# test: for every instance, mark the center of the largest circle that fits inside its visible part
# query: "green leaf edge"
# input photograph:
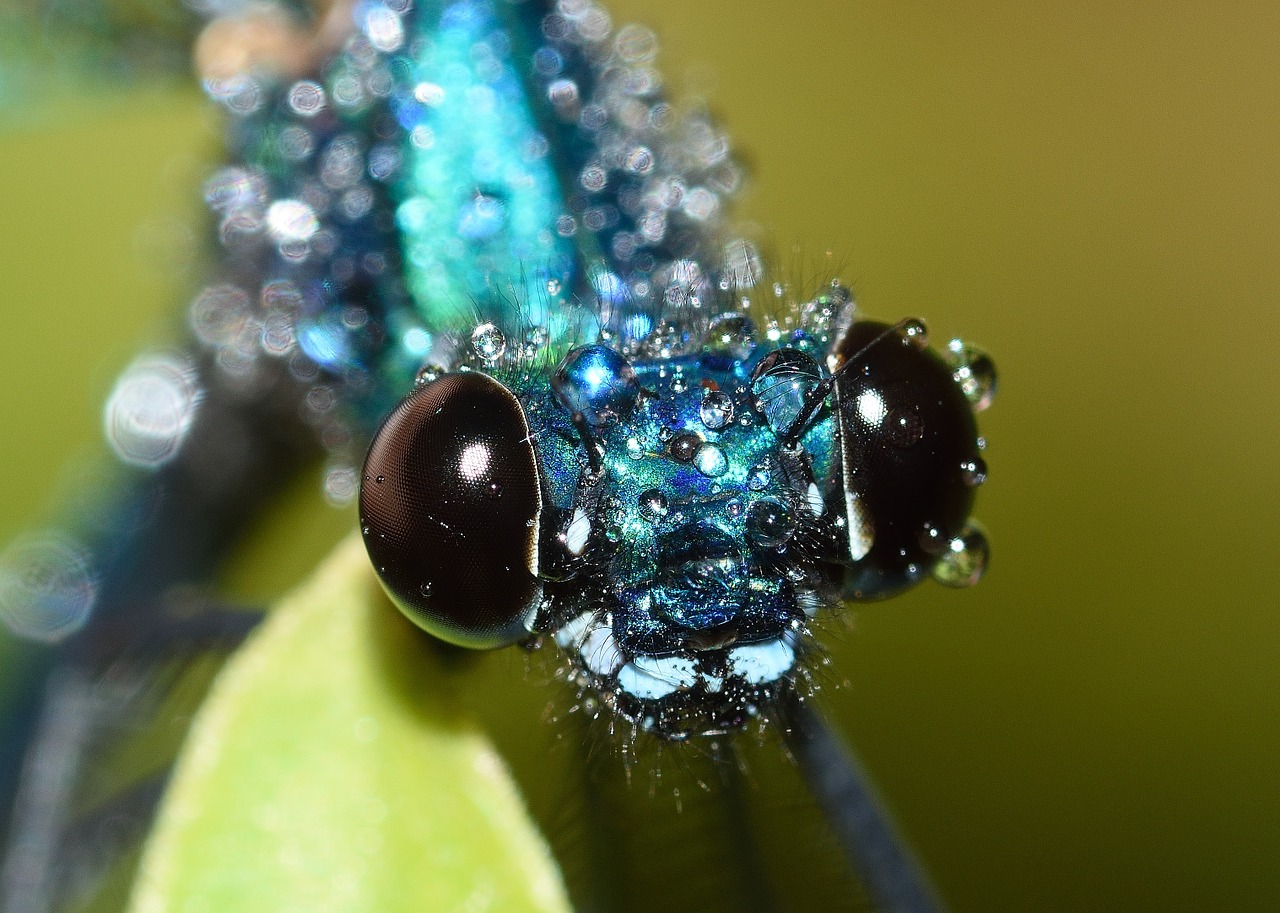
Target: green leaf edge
(330, 770)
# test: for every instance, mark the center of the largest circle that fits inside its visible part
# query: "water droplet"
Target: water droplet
(553, 286)
(679, 383)
(47, 587)
(914, 331)
(593, 177)
(804, 341)
(535, 341)
(974, 472)
(684, 446)
(634, 448)
(639, 160)
(380, 479)
(291, 221)
(488, 342)
(653, 505)
(975, 372)
(965, 559)
(429, 374)
(151, 409)
(598, 383)
(781, 384)
(306, 98)
(425, 589)
(905, 427)
(340, 484)
(716, 410)
(769, 523)
(758, 478)
(711, 461)
(734, 508)
(730, 335)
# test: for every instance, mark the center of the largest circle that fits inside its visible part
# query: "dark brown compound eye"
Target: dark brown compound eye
(450, 504)
(908, 457)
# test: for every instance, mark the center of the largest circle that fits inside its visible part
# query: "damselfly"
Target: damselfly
(623, 434)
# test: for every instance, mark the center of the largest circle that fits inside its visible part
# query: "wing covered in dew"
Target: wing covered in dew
(409, 175)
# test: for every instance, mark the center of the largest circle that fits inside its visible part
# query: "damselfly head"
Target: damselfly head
(675, 523)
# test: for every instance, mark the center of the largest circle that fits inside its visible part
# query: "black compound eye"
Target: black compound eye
(908, 445)
(450, 504)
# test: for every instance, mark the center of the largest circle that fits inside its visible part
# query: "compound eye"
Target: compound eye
(908, 448)
(450, 504)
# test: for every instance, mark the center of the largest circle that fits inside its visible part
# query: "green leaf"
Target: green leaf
(328, 770)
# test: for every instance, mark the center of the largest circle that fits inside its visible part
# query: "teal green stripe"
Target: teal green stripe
(480, 198)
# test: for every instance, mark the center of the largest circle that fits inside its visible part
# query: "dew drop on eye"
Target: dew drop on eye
(965, 560)
(974, 472)
(914, 332)
(975, 372)
(904, 427)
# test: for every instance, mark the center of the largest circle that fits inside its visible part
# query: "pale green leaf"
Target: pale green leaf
(327, 772)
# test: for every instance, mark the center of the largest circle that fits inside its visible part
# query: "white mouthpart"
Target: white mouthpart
(763, 662)
(570, 633)
(653, 677)
(600, 652)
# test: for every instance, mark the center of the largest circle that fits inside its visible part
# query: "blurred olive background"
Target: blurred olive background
(1091, 192)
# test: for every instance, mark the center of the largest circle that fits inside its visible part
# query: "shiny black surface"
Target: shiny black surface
(906, 433)
(450, 505)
